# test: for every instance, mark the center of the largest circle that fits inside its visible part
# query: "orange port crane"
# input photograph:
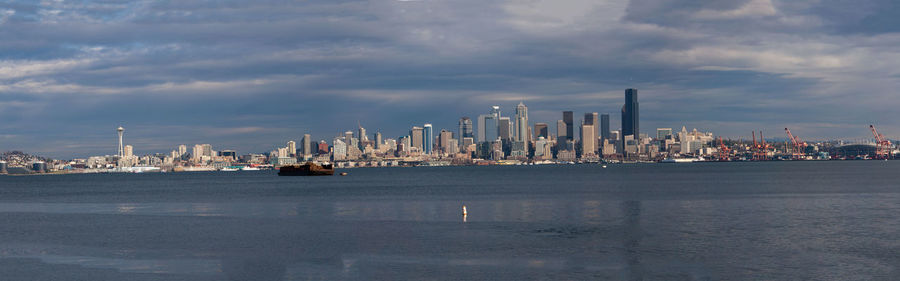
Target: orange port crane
(799, 146)
(761, 148)
(724, 151)
(882, 145)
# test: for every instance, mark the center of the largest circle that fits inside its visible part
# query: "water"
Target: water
(699, 221)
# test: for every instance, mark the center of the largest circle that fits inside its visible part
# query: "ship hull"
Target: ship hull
(308, 169)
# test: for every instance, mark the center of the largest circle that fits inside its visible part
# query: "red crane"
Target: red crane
(761, 148)
(724, 151)
(882, 145)
(799, 147)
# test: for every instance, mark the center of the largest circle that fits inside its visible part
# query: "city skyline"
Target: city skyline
(250, 74)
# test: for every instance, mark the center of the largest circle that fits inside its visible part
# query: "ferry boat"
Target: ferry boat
(248, 168)
(308, 169)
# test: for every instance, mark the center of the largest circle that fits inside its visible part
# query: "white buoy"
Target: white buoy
(604, 166)
(464, 211)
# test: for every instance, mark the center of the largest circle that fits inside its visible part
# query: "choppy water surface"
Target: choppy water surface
(700, 221)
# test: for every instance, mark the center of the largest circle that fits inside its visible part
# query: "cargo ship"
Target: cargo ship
(308, 169)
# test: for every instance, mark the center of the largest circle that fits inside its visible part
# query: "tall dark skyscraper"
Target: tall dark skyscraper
(540, 130)
(465, 128)
(630, 117)
(567, 118)
(604, 126)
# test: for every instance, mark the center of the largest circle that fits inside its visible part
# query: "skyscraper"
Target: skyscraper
(630, 116)
(182, 149)
(593, 119)
(567, 118)
(465, 128)
(521, 129)
(378, 141)
(540, 130)
(307, 145)
(504, 129)
(292, 148)
(588, 141)
(604, 126)
(561, 134)
(444, 138)
(363, 138)
(415, 138)
(428, 138)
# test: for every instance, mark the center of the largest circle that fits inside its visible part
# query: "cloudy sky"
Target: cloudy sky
(250, 75)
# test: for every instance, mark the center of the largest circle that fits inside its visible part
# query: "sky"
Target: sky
(251, 75)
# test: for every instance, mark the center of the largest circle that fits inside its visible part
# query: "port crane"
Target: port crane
(799, 146)
(761, 148)
(882, 144)
(724, 151)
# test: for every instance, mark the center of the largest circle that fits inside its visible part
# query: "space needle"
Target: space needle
(121, 147)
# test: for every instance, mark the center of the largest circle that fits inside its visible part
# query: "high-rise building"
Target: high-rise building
(593, 119)
(322, 148)
(540, 130)
(339, 151)
(416, 138)
(428, 138)
(379, 143)
(363, 137)
(661, 133)
(568, 119)
(129, 151)
(182, 149)
(588, 141)
(465, 128)
(630, 116)
(307, 145)
(444, 138)
(504, 128)
(604, 126)
(291, 148)
(521, 128)
(561, 136)
(488, 125)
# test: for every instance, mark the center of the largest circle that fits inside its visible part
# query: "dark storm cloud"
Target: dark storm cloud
(250, 75)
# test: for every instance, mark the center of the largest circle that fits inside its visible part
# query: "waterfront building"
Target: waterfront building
(630, 116)
(428, 139)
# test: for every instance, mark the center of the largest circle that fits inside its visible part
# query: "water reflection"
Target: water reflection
(631, 239)
(575, 211)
